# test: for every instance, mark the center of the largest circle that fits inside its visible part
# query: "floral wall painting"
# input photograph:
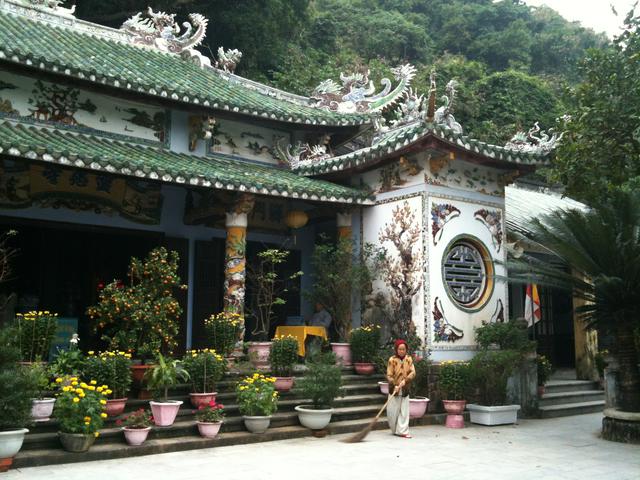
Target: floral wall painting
(143, 118)
(443, 331)
(259, 144)
(5, 105)
(492, 219)
(441, 214)
(57, 104)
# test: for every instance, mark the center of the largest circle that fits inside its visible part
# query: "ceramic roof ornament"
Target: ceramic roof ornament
(52, 6)
(229, 59)
(534, 141)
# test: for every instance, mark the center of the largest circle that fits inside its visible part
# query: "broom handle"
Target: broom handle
(385, 404)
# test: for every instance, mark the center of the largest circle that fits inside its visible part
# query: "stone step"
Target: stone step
(105, 451)
(185, 425)
(557, 386)
(560, 398)
(568, 409)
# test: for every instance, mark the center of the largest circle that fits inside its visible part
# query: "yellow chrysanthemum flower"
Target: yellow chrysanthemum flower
(96, 434)
(93, 382)
(76, 399)
(58, 380)
(103, 402)
(103, 415)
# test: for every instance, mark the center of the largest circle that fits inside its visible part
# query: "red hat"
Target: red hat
(399, 342)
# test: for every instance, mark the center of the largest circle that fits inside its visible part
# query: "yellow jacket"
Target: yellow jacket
(398, 370)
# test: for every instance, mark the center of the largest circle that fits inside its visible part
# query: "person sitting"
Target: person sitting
(321, 318)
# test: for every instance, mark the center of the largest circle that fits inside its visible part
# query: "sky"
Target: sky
(594, 14)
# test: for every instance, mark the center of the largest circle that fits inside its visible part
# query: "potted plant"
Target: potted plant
(42, 406)
(283, 356)
(337, 275)
(267, 289)
(322, 383)
(80, 412)
(381, 360)
(141, 316)
(257, 401)
(165, 373)
(17, 388)
(136, 426)
(419, 389)
(209, 419)
(453, 382)
(544, 372)
(36, 330)
(205, 368)
(365, 342)
(223, 330)
(68, 362)
(601, 364)
(113, 369)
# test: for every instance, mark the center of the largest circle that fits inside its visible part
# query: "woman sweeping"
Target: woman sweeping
(400, 373)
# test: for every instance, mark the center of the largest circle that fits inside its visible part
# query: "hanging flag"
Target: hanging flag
(532, 312)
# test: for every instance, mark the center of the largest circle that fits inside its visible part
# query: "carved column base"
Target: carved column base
(620, 426)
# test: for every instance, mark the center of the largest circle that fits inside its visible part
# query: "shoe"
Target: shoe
(406, 435)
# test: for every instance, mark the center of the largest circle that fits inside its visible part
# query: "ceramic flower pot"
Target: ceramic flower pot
(257, 424)
(496, 415)
(10, 444)
(115, 406)
(76, 442)
(454, 410)
(164, 413)
(343, 352)
(418, 407)
(364, 368)
(315, 419)
(41, 410)
(209, 429)
(138, 372)
(283, 384)
(259, 354)
(136, 436)
(541, 390)
(198, 399)
(384, 387)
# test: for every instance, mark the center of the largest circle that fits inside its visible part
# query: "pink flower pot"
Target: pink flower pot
(115, 407)
(259, 354)
(384, 388)
(541, 390)
(364, 368)
(198, 399)
(283, 384)
(209, 430)
(41, 410)
(164, 413)
(418, 407)
(343, 352)
(136, 436)
(454, 410)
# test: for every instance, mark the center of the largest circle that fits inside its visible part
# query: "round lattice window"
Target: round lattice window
(468, 273)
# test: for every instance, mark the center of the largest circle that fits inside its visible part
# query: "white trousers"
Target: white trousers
(398, 415)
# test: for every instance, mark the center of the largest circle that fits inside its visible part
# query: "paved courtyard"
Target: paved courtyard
(554, 449)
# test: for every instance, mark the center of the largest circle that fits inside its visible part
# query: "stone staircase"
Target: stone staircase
(565, 396)
(361, 402)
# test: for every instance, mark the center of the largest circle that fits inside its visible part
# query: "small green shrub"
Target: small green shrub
(322, 382)
(489, 373)
(80, 407)
(365, 342)
(420, 385)
(68, 362)
(205, 368)
(110, 368)
(454, 379)
(257, 395)
(507, 336)
(223, 331)
(284, 355)
(165, 374)
(544, 369)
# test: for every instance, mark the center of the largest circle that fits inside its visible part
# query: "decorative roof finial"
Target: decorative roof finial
(534, 141)
(228, 59)
(431, 106)
(444, 114)
(303, 153)
(53, 6)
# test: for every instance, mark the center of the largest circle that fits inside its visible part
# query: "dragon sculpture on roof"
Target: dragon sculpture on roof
(53, 5)
(160, 30)
(534, 141)
(357, 92)
(303, 153)
(229, 59)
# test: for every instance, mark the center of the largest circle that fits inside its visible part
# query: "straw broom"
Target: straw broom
(359, 436)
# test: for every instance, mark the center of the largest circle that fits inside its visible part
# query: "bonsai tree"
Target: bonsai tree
(166, 373)
(141, 316)
(267, 288)
(338, 274)
(322, 382)
(283, 355)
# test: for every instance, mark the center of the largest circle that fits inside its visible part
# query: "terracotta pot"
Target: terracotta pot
(10, 444)
(454, 410)
(41, 410)
(343, 352)
(136, 436)
(115, 406)
(164, 413)
(257, 424)
(418, 407)
(283, 384)
(364, 368)
(198, 399)
(76, 442)
(259, 354)
(138, 372)
(541, 390)
(209, 429)
(384, 387)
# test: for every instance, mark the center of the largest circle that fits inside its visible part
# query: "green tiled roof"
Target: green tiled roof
(118, 157)
(399, 138)
(79, 54)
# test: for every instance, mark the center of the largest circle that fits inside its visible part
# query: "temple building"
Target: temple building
(113, 141)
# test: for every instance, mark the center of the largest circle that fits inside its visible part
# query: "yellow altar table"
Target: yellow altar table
(301, 333)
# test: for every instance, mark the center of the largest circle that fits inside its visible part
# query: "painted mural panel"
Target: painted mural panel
(246, 141)
(436, 168)
(31, 100)
(397, 227)
(466, 286)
